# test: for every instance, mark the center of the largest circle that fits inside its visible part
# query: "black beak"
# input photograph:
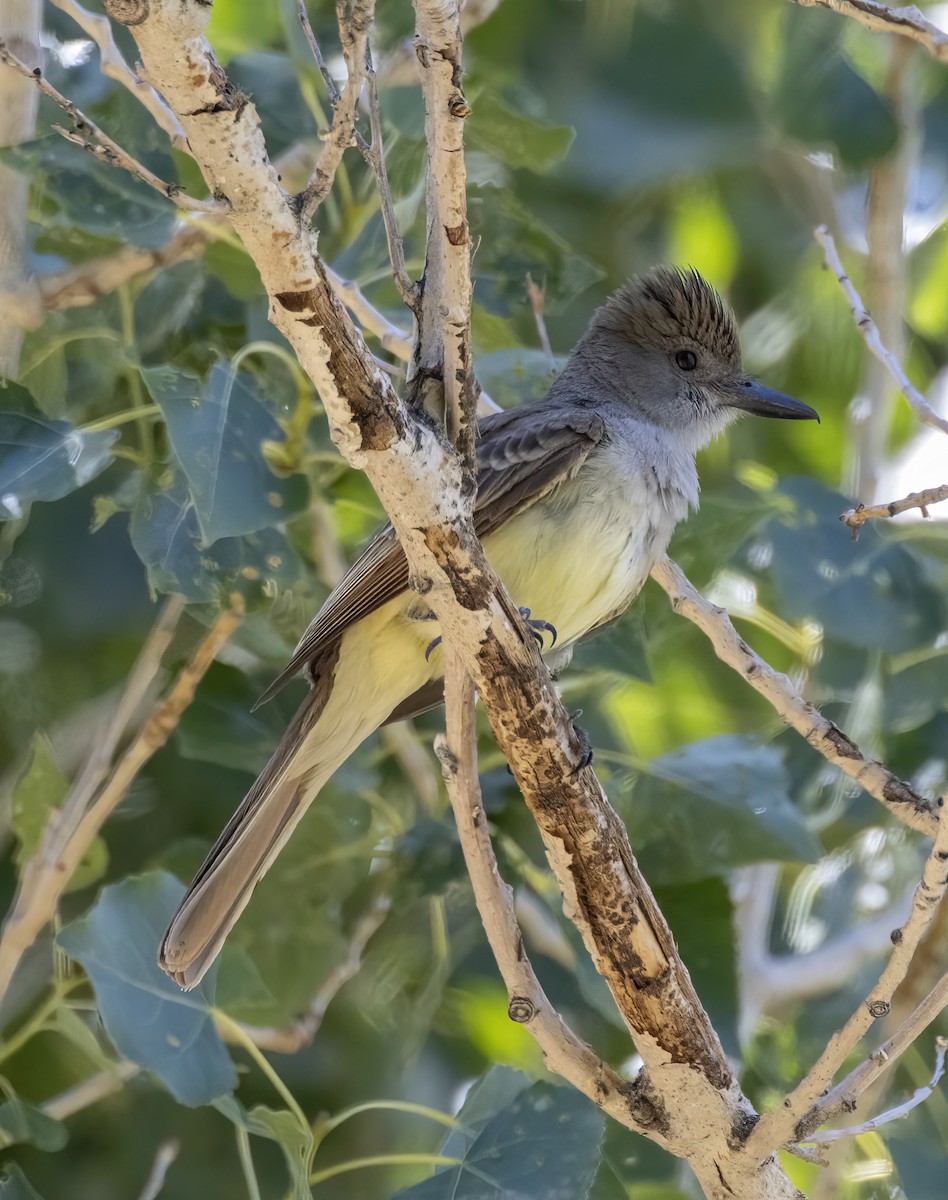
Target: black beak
(765, 402)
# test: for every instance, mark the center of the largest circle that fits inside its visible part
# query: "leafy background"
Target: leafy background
(163, 440)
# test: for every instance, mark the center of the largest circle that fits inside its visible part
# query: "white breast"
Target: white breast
(581, 555)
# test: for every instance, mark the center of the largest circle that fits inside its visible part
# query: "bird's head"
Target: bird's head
(668, 344)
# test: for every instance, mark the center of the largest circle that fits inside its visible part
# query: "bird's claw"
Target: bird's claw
(538, 628)
(431, 648)
(585, 744)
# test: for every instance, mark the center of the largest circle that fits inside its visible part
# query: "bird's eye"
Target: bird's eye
(686, 359)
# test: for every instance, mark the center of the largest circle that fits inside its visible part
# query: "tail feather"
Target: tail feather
(242, 854)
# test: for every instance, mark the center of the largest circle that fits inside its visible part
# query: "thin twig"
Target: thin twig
(777, 1128)
(866, 326)
(564, 1052)
(90, 1091)
(87, 134)
(537, 297)
(293, 1037)
(899, 797)
(854, 517)
(354, 34)
(167, 1153)
(407, 288)
(898, 1112)
(70, 830)
(113, 65)
(907, 21)
(844, 1096)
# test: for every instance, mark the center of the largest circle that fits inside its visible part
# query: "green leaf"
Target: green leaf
(913, 696)
(282, 1127)
(514, 139)
(217, 430)
(23, 1124)
(542, 1144)
(873, 593)
(15, 1185)
(146, 1015)
(40, 788)
(714, 805)
(220, 728)
(46, 460)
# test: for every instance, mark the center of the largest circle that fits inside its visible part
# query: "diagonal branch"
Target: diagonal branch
(87, 134)
(777, 1128)
(563, 1051)
(70, 830)
(114, 66)
(899, 797)
(866, 326)
(844, 1096)
(854, 517)
(907, 21)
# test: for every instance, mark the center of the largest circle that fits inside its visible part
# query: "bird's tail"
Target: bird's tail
(320, 738)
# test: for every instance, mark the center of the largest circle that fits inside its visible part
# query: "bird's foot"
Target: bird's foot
(585, 743)
(431, 647)
(538, 628)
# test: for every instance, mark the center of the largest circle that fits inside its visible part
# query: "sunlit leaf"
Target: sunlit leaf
(146, 1015)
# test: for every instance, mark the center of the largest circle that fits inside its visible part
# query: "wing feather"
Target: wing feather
(522, 454)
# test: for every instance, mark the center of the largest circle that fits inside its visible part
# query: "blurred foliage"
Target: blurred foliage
(163, 440)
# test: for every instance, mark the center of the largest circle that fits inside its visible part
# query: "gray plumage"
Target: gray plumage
(577, 498)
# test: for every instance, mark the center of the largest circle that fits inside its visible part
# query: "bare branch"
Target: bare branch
(777, 1128)
(90, 1091)
(87, 134)
(354, 34)
(440, 377)
(866, 326)
(898, 1112)
(113, 65)
(83, 284)
(375, 157)
(71, 829)
(301, 1032)
(844, 1096)
(537, 297)
(899, 797)
(564, 1052)
(854, 517)
(908, 21)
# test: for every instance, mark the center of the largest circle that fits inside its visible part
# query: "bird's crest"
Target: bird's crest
(667, 307)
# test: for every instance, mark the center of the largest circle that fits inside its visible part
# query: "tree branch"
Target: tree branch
(898, 1112)
(71, 829)
(854, 517)
(563, 1051)
(300, 1033)
(440, 377)
(844, 1096)
(777, 1128)
(114, 66)
(87, 134)
(824, 736)
(866, 326)
(354, 36)
(906, 21)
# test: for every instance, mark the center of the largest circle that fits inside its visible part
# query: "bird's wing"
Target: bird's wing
(521, 455)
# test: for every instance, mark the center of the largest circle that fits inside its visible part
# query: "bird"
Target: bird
(578, 495)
